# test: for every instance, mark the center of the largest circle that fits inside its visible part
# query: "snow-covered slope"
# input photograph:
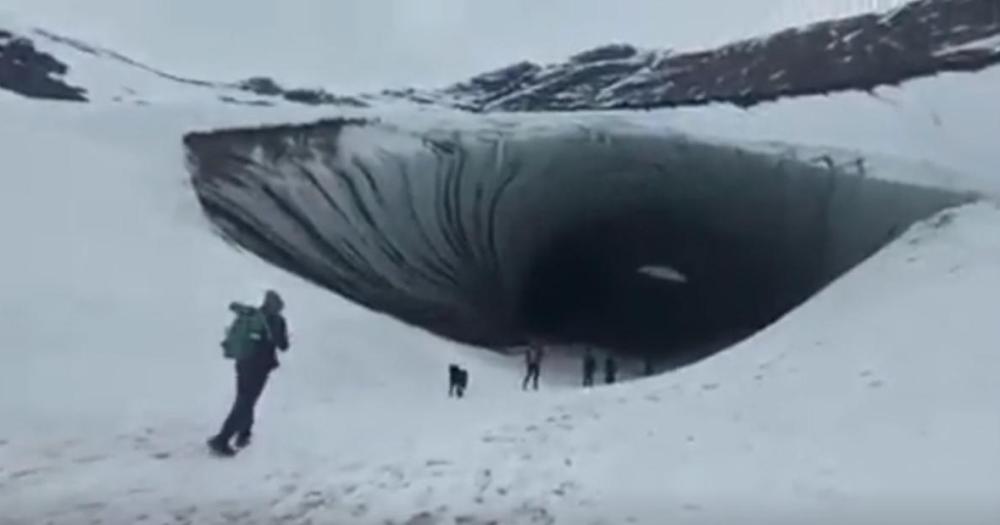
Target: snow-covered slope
(876, 393)
(860, 52)
(38, 63)
(365, 46)
(945, 119)
(872, 403)
(113, 301)
(854, 53)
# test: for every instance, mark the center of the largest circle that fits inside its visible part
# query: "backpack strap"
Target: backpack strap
(267, 327)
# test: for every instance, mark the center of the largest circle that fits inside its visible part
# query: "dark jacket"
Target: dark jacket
(534, 356)
(265, 356)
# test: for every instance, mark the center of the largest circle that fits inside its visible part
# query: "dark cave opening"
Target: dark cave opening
(585, 288)
(488, 239)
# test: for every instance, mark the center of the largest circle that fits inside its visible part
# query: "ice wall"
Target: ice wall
(492, 231)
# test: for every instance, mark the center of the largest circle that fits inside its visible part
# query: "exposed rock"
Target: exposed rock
(262, 86)
(858, 53)
(316, 97)
(33, 73)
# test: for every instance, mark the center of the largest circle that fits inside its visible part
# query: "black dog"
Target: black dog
(458, 380)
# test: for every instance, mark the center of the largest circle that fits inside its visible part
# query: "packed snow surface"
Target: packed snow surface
(875, 401)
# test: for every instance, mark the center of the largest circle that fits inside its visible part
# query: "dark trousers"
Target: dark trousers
(250, 381)
(534, 370)
(588, 379)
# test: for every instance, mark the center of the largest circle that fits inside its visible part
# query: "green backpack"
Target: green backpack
(245, 333)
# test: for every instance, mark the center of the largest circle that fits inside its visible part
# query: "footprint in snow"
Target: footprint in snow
(498, 439)
(472, 520)
(24, 473)
(878, 383)
(91, 506)
(564, 488)
(236, 516)
(85, 460)
(710, 386)
(184, 514)
(423, 518)
(352, 467)
(313, 499)
(359, 510)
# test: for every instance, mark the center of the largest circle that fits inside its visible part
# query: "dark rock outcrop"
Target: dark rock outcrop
(32, 73)
(858, 53)
(314, 97)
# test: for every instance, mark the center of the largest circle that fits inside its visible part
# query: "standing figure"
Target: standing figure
(533, 364)
(458, 380)
(589, 368)
(610, 370)
(251, 342)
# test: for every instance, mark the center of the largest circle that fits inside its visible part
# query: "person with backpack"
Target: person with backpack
(251, 341)
(533, 363)
(589, 368)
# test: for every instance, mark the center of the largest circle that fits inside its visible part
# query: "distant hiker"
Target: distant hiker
(458, 380)
(610, 370)
(533, 363)
(589, 368)
(463, 381)
(250, 341)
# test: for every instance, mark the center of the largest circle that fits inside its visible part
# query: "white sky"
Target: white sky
(352, 45)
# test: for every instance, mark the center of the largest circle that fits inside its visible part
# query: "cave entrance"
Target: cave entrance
(642, 286)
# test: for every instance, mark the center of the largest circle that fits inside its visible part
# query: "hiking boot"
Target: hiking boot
(242, 440)
(220, 448)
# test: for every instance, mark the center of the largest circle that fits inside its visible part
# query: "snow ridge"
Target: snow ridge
(863, 52)
(855, 53)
